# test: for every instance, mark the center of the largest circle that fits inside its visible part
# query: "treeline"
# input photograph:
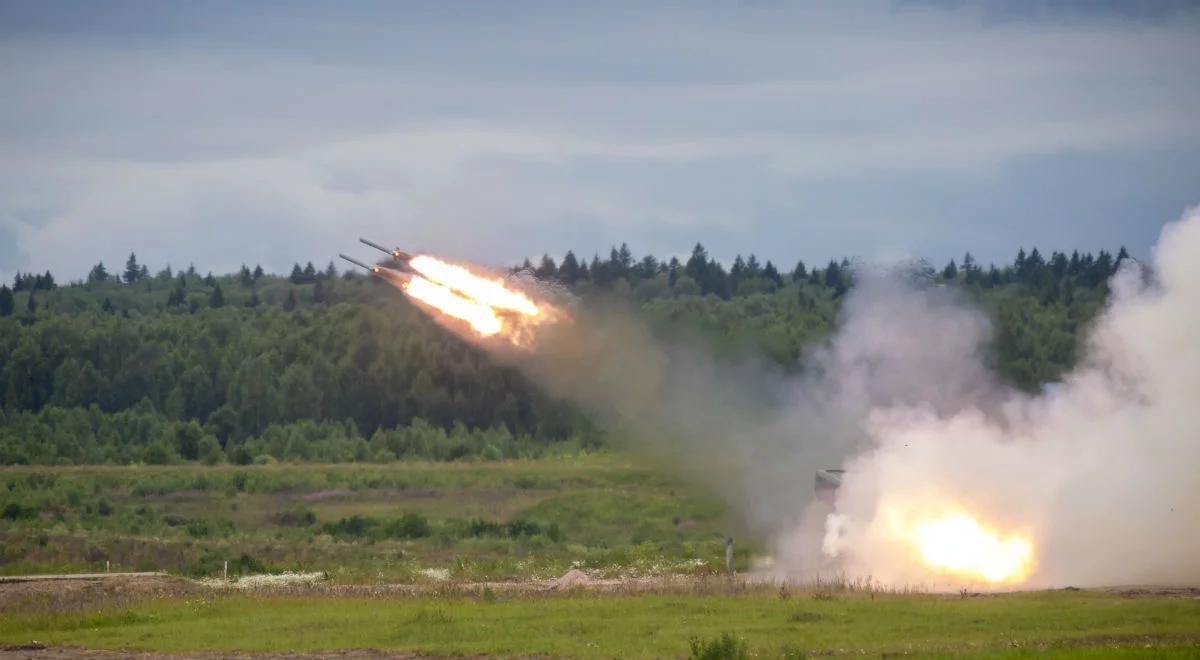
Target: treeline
(704, 275)
(321, 366)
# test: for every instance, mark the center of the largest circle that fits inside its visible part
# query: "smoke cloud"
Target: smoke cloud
(1101, 472)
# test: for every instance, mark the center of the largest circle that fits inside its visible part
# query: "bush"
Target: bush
(480, 527)
(209, 450)
(354, 527)
(211, 563)
(158, 454)
(14, 511)
(520, 527)
(296, 518)
(408, 526)
(174, 520)
(726, 647)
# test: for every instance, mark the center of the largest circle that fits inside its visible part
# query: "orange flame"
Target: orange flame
(956, 543)
(480, 317)
(487, 306)
(488, 292)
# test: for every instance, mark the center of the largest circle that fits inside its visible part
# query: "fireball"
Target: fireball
(958, 544)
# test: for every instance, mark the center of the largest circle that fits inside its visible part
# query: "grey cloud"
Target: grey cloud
(1000, 12)
(808, 131)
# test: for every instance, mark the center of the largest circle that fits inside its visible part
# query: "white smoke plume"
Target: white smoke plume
(1101, 474)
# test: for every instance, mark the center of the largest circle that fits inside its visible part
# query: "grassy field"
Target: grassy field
(363, 522)
(438, 527)
(585, 624)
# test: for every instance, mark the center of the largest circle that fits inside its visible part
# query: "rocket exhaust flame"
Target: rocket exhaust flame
(480, 317)
(487, 306)
(487, 292)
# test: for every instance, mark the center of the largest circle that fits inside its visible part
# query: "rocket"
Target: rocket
(373, 269)
(383, 272)
(401, 257)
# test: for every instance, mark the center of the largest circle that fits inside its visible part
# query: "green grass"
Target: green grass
(1075, 624)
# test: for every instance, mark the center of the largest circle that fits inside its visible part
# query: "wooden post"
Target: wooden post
(729, 556)
(107, 566)
(225, 571)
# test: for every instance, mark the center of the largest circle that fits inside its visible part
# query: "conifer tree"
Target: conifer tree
(132, 270)
(98, 273)
(6, 300)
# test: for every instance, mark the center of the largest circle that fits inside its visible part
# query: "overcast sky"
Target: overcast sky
(270, 133)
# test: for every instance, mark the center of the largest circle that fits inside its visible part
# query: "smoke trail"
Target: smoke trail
(1102, 473)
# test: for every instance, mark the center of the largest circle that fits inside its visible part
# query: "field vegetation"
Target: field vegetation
(710, 619)
(363, 523)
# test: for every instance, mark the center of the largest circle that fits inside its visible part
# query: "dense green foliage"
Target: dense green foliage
(316, 367)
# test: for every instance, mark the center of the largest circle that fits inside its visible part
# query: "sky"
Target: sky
(278, 132)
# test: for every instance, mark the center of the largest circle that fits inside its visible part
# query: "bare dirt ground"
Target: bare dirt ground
(35, 652)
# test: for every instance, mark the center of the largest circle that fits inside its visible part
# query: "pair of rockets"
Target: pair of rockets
(402, 259)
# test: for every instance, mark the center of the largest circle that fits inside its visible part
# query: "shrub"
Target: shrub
(14, 511)
(157, 454)
(174, 520)
(408, 526)
(296, 518)
(726, 647)
(354, 527)
(520, 527)
(480, 527)
(211, 562)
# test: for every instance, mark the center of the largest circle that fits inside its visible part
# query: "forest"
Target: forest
(320, 366)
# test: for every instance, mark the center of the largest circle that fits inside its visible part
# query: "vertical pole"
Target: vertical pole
(106, 566)
(729, 556)
(225, 571)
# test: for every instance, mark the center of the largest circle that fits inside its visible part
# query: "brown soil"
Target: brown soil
(39, 652)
